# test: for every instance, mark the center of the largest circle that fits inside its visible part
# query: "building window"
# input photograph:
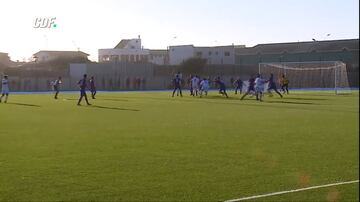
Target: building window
(132, 47)
(227, 53)
(105, 58)
(216, 53)
(210, 53)
(199, 54)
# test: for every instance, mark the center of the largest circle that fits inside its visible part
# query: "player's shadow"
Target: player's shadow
(114, 108)
(115, 100)
(23, 104)
(309, 99)
(287, 102)
(218, 97)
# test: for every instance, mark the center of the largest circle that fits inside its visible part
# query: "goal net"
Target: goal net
(324, 75)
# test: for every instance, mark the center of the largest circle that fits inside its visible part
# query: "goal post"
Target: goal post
(318, 75)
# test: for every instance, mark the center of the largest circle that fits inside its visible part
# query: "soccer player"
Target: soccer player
(177, 84)
(238, 84)
(83, 85)
(284, 82)
(179, 75)
(251, 87)
(272, 85)
(189, 83)
(204, 87)
(195, 85)
(222, 86)
(92, 87)
(56, 86)
(259, 87)
(4, 89)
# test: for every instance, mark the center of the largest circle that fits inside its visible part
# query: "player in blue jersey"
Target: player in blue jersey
(83, 85)
(238, 84)
(272, 85)
(177, 85)
(56, 87)
(92, 87)
(251, 87)
(222, 86)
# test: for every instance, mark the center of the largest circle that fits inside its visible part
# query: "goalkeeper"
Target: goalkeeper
(284, 82)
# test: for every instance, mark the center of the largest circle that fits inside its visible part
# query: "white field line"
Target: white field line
(292, 191)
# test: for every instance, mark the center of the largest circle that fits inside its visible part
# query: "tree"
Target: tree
(193, 66)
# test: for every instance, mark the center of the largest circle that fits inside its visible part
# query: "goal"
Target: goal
(319, 75)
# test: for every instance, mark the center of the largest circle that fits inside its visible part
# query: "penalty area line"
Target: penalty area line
(292, 191)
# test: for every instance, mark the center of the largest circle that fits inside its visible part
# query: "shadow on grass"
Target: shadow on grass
(287, 102)
(113, 99)
(309, 99)
(22, 104)
(324, 94)
(113, 108)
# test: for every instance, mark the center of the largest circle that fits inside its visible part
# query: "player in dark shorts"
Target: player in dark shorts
(238, 83)
(222, 87)
(83, 85)
(190, 86)
(177, 85)
(92, 87)
(272, 85)
(251, 87)
(56, 86)
(284, 82)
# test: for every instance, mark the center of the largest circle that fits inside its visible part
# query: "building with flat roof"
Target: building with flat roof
(46, 56)
(131, 50)
(216, 55)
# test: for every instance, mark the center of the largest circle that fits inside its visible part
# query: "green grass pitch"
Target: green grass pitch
(151, 147)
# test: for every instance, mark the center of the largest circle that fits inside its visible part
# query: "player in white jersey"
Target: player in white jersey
(195, 85)
(259, 87)
(4, 88)
(204, 87)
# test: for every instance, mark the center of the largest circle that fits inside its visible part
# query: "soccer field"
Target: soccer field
(147, 146)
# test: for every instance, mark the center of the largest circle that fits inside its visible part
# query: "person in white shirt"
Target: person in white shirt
(259, 87)
(4, 88)
(204, 87)
(195, 85)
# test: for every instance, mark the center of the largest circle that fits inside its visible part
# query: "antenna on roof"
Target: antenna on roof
(78, 48)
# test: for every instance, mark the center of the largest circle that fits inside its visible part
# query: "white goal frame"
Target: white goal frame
(337, 66)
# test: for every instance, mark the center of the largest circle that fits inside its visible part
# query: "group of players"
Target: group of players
(83, 84)
(255, 86)
(198, 87)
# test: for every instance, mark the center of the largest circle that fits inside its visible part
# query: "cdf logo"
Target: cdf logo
(45, 22)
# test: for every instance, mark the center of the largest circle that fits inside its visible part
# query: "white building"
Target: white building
(130, 50)
(178, 54)
(214, 55)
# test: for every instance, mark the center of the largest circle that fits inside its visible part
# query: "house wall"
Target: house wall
(217, 55)
(178, 54)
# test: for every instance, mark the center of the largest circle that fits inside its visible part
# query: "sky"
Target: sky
(89, 25)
